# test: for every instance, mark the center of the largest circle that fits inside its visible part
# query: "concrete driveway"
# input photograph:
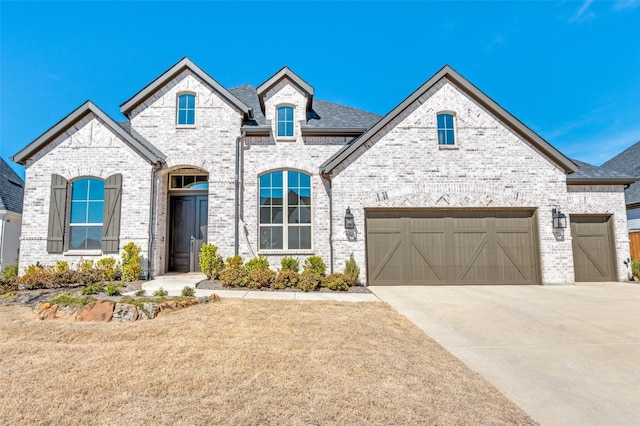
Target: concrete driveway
(568, 355)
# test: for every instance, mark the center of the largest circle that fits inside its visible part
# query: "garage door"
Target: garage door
(593, 250)
(408, 247)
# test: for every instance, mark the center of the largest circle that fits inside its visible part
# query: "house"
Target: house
(11, 192)
(447, 188)
(628, 162)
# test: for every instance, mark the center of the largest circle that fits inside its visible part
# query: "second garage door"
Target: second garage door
(420, 247)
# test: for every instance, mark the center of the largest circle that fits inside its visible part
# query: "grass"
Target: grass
(240, 362)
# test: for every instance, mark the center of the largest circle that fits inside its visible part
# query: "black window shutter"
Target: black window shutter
(57, 210)
(111, 219)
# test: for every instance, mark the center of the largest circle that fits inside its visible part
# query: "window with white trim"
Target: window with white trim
(285, 210)
(285, 121)
(446, 129)
(186, 109)
(87, 212)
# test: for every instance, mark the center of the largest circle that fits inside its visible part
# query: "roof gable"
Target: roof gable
(144, 148)
(11, 188)
(185, 63)
(285, 73)
(473, 92)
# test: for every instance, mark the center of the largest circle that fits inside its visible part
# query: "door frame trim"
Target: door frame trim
(167, 236)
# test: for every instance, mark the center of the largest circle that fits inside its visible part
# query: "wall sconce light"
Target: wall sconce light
(559, 218)
(349, 222)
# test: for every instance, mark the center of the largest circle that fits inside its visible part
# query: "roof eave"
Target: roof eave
(332, 131)
(600, 181)
(184, 63)
(256, 130)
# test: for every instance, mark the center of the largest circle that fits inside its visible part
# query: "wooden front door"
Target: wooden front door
(187, 231)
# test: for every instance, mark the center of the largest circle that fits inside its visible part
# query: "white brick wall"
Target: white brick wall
(87, 149)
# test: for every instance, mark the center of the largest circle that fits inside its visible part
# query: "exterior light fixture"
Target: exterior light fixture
(349, 222)
(559, 218)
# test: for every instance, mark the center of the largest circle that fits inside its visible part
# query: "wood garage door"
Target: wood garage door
(593, 250)
(409, 247)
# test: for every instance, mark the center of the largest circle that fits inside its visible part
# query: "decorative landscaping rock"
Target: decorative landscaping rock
(125, 312)
(68, 312)
(149, 311)
(97, 311)
(214, 298)
(48, 311)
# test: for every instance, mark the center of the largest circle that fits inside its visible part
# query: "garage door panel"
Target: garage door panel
(593, 253)
(451, 247)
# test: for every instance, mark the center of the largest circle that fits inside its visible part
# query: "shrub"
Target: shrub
(339, 282)
(210, 261)
(234, 262)
(84, 265)
(9, 285)
(160, 292)
(635, 268)
(188, 291)
(289, 263)
(108, 267)
(62, 265)
(141, 292)
(233, 277)
(259, 262)
(309, 280)
(315, 264)
(286, 278)
(352, 270)
(66, 299)
(92, 289)
(131, 262)
(9, 271)
(113, 289)
(259, 278)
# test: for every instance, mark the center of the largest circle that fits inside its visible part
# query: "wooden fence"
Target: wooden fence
(634, 237)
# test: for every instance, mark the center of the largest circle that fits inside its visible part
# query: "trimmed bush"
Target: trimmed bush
(260, 278)
(352, 270)
(141, 292)
(210, 261)
(234, 262)
(286, 278)
(92, 289)
(315, 264)
(8, 285)
(233, 277)
(309, 280)
(108, 267)
(189, 291)
(84, 265)
(338, 282)
(63, 265)
(635, 268)
(9, 271)
(131, 262)
(289, 263)
(161, 292)
(259, 262)
(113, 289)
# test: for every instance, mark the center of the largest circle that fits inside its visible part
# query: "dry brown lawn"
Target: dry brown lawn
(240, 362)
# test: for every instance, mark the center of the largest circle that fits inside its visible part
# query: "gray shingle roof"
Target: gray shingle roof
(628, 161)
(11, 188)
(588, 171)
(323, 115)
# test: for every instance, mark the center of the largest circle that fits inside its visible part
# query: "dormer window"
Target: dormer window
(285, 121)
(446, 129)
(186, 109)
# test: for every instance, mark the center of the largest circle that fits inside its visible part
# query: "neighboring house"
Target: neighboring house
(628, 162)
(11, 193)
(447, 188)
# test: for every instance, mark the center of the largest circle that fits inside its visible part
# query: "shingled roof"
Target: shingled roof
(11, 188)
(322, 116)
(628, 161)
(589, 174)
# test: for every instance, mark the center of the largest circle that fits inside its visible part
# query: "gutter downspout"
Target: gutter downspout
(237, 195)
(328, 177)
(3, 219)
(156, 168)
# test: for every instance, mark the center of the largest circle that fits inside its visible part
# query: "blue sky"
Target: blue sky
(569, 70)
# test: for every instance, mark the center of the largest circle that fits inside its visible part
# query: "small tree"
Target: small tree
(131, 262)
(352, 270)
(210, 261)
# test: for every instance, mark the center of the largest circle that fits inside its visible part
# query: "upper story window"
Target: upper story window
(186, 109)
(285, 121)
(87, 210)
(446, 129)
(285, 210)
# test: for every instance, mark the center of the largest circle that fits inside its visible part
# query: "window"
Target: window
(285, 221)
(285, 121)
(191, 182)
(446, 134)
(186, 109)
(87, 207)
